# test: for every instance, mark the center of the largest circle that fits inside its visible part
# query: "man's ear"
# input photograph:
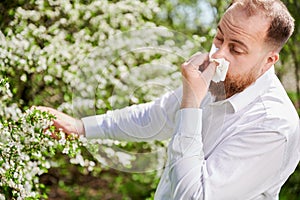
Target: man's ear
(272, 58)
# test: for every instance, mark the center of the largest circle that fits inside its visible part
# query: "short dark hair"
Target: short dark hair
(282, 23)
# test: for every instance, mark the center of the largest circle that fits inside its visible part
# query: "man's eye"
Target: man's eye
(235, 51)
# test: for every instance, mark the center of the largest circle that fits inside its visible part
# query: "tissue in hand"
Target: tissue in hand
(221, 69)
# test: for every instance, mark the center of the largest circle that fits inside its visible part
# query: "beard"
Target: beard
(232, 85)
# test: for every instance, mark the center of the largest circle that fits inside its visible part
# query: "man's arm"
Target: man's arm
(150, 121)
(144, 122)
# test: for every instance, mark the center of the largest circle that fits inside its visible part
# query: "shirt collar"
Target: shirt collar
(242, 99)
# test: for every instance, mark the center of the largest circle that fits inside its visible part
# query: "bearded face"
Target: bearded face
(232, 85)
(242, 44)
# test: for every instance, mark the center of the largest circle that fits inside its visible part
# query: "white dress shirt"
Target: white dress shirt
(241, 148)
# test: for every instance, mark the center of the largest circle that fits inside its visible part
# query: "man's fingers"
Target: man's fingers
(46, 109)
(53, 112)
(193, 57)
(209, 72)
(196, 60)
(200, 62)
(64, 122)
(59, 115)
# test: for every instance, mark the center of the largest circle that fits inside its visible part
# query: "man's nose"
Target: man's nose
(219, 53)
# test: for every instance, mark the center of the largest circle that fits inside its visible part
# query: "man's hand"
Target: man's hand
(195, 82)
(68, 124)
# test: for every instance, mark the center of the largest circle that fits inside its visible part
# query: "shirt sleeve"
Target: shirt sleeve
(144, 122)
(239, 167)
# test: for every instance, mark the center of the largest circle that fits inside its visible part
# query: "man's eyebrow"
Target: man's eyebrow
(234, 40)
(240, 42)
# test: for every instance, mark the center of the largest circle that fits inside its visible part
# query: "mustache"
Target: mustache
(231, 86)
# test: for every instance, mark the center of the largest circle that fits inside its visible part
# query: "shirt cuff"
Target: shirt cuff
(187, 138)
(92, 127)
(189, 121)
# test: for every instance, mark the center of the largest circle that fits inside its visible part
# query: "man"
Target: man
(240, 144)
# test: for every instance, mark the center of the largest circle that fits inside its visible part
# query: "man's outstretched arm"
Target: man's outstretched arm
(144, 122)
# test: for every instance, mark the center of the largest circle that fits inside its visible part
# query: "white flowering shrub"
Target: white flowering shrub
(26, 148)
(84, 58)
(59, 47)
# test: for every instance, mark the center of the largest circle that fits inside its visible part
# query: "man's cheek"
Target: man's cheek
(236, 68)
(231, 71)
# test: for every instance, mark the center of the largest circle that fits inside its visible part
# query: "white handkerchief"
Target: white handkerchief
(222, 68)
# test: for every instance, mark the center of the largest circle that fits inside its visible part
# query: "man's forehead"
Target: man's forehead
(239, 15)
(236, 19)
